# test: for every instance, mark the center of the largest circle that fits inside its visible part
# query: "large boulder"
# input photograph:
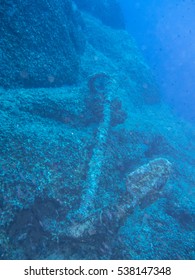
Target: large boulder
(40, 43)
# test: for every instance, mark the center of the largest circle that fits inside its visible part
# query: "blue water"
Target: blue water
(97, 130)
(165, 33)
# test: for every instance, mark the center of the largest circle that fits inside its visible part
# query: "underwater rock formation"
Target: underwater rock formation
(67, 185)
(41, 42)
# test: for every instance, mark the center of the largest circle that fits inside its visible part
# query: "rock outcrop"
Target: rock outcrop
(40, 43)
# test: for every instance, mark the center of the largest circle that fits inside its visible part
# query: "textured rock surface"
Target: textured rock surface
(112, 43)
(48, 139)
(40, 43)
(108, 11)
